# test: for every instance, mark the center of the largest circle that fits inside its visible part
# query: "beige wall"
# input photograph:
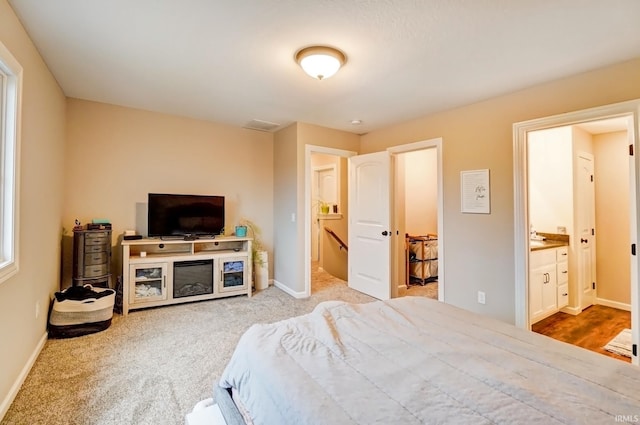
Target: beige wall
(289, 187)
(480, 248)
(612, 217)
(117, 155)
(41, 185)
(550, 159)
(288, 256)
(421, 191)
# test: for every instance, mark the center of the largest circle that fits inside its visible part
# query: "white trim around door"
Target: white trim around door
(416, 146)
(630, 110)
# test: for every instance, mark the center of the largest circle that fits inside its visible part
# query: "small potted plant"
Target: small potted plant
(323, 207)
(258, 254)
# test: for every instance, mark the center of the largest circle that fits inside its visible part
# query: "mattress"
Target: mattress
(413, 360)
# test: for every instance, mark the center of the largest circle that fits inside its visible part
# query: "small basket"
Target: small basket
(241, 231)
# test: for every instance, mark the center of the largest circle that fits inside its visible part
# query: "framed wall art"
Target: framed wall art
(476, 192)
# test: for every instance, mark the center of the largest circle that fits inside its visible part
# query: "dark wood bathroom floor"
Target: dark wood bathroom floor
(592, 329)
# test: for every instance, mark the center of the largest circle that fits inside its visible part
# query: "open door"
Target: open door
(633, 130)
(370, 224)
(585, 230)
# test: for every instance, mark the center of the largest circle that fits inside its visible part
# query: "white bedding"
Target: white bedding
(413, 360)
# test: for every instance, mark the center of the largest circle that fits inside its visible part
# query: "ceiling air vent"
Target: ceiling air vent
(261, 125)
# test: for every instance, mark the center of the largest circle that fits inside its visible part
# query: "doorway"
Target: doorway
(410, 162)
(572, 170)
(398, 256)
(580, 294)
(416, 195)
(325, 180)
(329, 256)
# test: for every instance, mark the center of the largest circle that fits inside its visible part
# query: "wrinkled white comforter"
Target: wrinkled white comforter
(413, 360)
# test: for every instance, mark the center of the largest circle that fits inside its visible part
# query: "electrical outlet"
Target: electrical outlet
(481, 297)
(37, 309)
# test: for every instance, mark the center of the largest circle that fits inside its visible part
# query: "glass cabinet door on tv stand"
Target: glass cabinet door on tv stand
(148, 282)
(233, 274)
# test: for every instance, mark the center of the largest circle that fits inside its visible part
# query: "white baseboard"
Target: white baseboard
(288, 290)
(13, 392)
(614, 304)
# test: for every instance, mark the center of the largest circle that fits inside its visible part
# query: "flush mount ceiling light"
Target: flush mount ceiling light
(320, 61)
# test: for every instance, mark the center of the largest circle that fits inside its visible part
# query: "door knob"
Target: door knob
(385, 233)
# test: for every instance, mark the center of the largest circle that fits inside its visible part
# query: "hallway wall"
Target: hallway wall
(421, 192)
(612, 217)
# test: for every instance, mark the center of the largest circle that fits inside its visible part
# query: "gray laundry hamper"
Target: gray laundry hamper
(80, 311)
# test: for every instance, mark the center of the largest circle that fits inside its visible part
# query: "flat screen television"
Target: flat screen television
(185, 215)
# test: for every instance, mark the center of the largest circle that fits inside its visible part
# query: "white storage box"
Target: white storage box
(79, 311)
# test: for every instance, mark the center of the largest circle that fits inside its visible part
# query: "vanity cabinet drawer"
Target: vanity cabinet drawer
(563, 273)
(563, 295)
(562, 254)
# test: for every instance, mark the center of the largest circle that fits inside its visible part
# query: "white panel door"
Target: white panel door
(324, 189)
(585, 225)
(327, 184)
(633, 237)
(370, 224)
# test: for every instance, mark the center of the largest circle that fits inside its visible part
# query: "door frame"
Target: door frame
(629, 109)
(435, 143)
(308, 201)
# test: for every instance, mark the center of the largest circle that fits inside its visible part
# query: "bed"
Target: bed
(414, 360)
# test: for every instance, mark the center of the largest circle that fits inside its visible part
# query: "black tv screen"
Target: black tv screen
(182, 215)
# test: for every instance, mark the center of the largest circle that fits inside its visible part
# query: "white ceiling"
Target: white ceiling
(231, 61)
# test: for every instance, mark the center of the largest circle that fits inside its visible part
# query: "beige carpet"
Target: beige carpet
(153, 366)
(430, 290)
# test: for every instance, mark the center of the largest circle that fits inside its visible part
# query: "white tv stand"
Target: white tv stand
(157, 272)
